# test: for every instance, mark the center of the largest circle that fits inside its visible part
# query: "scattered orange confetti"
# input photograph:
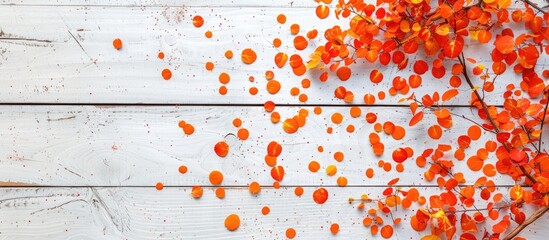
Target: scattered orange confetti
(248, 56)
(209, 66)
(386, 231)
(435, 132)
(274, 149)
(344, 73)
(166, 74)
(342, 181)
(273, 86)
(314, 166)
(228, 54)
(243, 134)
(117, 43)
(208, 34)
(197, 192)
(298, 191)
(198, 21)
(216, 177)
(269, 106)
(183, 169)
(220, 193)
(159, 186)
(277, 173)
(224, 78)
(322, 11)
(334, 228)
(254, 188)
(221, 149)
(290, 233)
(338, 156)
(300, 43)
(281, 18)
(232, 222)
(320, 195)
(265, 210)
(290, 125)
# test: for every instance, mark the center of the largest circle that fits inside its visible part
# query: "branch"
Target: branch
(527, 222)
(485, 108)
(543, 121)
(534, 5)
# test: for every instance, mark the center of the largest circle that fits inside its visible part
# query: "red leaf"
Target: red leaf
(453, 48)
(468, 224)
(393, 181)
(277, 173)
(501, 226)
(503, 137)
(505, 44)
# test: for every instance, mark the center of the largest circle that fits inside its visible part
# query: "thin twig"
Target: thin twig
(543, 119)
(534, 5)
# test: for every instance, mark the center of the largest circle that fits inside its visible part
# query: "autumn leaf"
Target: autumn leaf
(505, 44)
(468, 224)
(416, 118)
(449, 94)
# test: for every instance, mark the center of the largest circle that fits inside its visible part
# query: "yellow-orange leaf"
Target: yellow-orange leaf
(516, 192)
(504, 3)
(431, 237)
(443, 30)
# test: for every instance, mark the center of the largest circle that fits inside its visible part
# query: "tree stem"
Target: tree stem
(485, 108)
(527, 222)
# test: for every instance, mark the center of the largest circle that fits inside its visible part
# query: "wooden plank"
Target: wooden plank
(165, 3)
(139, 146)
(64, 54)
(144, 213)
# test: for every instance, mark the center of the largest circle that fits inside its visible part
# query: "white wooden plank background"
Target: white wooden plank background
(144, 213)
(87, 172)
(60, 68)
(139, 146)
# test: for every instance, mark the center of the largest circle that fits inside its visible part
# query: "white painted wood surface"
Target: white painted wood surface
(144, 213)
(60, 52)
(65, 54)
(139, 146)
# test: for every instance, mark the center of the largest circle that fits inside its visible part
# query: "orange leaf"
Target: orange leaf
(502, 226)
(453, 48)
(248, 56)
(449, 94)
(416, 118)
(281, 59)
(393, 181)
(387, 231)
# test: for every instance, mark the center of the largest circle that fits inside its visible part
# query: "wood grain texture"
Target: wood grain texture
(139, 146)
(165, 3)
(64, 54)
(144, 213)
